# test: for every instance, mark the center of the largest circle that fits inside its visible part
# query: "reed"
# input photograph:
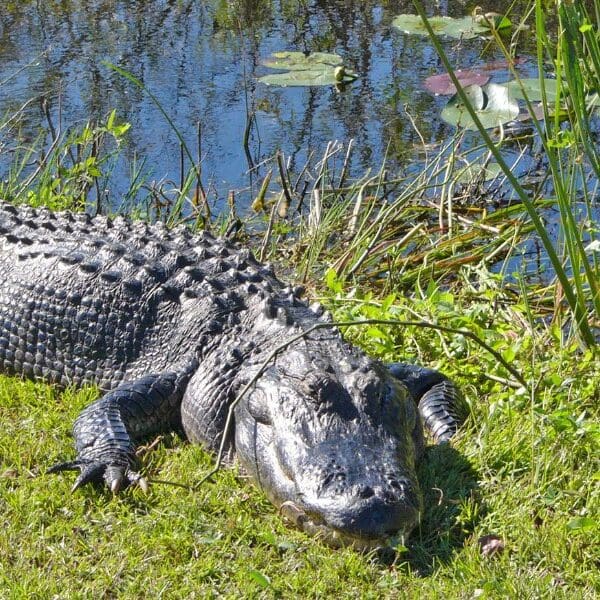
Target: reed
(571, 155)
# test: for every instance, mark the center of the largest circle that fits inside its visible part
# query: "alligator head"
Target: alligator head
(333, 442)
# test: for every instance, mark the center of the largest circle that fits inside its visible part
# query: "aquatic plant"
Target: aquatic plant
(577, 273)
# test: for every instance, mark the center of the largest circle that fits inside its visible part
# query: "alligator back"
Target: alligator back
(96, 300)
(180, 329)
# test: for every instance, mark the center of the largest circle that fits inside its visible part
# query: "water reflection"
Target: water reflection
(201, 59)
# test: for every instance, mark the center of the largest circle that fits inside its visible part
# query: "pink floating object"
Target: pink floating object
(442, 84)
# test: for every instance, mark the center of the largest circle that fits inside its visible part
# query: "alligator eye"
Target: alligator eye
(321, 388)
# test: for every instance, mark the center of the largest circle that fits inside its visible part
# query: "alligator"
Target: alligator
(171, 326)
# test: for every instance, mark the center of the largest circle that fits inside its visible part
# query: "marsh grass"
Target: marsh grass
(572, 153)
(59, 169)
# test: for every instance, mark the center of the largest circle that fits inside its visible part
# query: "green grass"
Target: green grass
(525, 468)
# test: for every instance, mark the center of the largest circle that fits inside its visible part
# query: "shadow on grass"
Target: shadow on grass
(447, 480)
(452, 509)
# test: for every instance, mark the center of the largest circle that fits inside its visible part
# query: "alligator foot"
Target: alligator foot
(441, 403)
(107, 431)
(116, 477)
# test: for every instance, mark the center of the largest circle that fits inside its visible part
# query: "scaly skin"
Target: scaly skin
(171, 326)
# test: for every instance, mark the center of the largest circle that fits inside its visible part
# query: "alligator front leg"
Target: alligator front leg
(107, 431)
(441, 403)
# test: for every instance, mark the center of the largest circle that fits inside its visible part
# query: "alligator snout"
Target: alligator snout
(371, 511)
(359, 494)
(363, 521)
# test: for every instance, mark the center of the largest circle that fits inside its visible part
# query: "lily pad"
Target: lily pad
(318, 68)
(442, 84)
(464, 28)
(533, 89)
(298, 61)
(492, 103)
(492, 20)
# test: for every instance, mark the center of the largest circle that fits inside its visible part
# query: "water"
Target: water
(202, 61)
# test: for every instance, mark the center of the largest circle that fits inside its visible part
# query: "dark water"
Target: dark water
(202, 60)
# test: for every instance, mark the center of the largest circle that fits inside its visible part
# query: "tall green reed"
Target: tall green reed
(576, 58)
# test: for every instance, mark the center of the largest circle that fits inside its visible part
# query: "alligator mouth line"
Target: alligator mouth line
(329, 535)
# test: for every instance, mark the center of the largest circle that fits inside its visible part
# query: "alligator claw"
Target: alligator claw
(116, 477)
(89, 473)
(71, 465)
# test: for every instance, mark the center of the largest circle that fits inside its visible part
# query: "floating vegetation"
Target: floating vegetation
(478, 170)
(465, 28)
(318, 68)
(533, 89)
(442, 84)
(491, 20)
(492, 103)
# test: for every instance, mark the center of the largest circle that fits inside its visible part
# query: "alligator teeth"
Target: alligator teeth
(337, 539)
(317, 308)
(115, 485)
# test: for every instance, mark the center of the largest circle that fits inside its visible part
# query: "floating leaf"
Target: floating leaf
(491, 102)
(464, 28)
(533, 89)
(538, 114)
(298, 61)
(503, 64)
(442, 84)
(305, 78)
(318, 68)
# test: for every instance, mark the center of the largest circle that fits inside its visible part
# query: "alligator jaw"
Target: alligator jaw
(329, 535)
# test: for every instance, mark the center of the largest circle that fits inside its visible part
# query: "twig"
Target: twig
(358, 204)
(284, 205)
(265, 244)
(346, 163)
(302, 171)
(199, 192)
(181, 169)
(249, 120)
(175, 483)
(56, 135)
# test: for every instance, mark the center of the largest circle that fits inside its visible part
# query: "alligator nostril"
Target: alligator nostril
(365, 491)
(327, 480)
(389, 497)
(400, 485)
